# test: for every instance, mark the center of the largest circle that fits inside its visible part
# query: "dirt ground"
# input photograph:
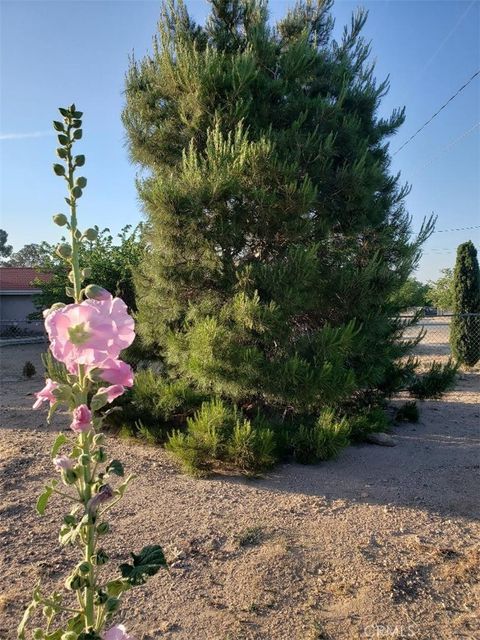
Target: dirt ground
(382, 543)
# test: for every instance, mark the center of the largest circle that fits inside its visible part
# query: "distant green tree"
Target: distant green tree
(412, 294)
(32, 255)
(5, 249)
(277, 233)
(111, 264)
(465, 328)
(440, 292)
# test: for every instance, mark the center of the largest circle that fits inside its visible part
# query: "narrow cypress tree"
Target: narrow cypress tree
(277, 234)
(465, 329)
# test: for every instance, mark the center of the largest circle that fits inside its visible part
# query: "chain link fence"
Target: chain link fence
(11, 329)
(436, 330)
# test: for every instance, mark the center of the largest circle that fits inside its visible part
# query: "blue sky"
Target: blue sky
(54, 53)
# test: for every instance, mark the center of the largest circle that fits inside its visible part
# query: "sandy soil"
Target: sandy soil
(382, 543)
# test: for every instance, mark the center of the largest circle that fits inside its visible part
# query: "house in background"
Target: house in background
(16, 300)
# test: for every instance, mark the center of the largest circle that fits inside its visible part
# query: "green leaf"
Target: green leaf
(116, 587)
(44, 497)
(77, 134)
(63, 111)
(77, 114)
(59, 442)
(116, 467)
(99, 400)
(59, 169)
(146, 564)
(58, 126)
(123, 487)
(79, 160)
(52, 410)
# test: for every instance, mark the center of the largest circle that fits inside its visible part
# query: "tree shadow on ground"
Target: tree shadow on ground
(434, 466)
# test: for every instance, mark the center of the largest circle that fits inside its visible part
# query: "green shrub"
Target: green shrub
(372, 420)
(465, 327)
(251, 449)
(408, 412)
(205, 440)
(219, 434)
(321, 441)
(155, 404)
(28, 370)
(194, 459)
(432, 384)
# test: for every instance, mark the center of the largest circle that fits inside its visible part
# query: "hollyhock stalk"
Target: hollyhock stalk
(87, 336)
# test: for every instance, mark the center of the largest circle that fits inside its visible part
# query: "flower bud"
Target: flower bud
(90, 234)
(74, 582)
(60, 219)
(64, 251)
(54, 307)
(94, 292)
(84, 567)
(103, 528)
(87, 272)
(69, 476)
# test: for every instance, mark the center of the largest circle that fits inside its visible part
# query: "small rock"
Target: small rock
(383, 439)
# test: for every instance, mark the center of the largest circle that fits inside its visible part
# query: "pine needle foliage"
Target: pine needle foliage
(465, 328)
(276, 234)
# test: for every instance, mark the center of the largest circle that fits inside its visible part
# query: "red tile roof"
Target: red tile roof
(20, 278)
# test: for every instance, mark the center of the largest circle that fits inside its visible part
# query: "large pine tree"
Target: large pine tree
(277, 233)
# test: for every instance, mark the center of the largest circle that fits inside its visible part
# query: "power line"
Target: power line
(442, 44)
(447, 147)
(458, 229)
(437, 112)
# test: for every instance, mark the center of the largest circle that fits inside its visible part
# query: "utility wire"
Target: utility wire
(447, 147)
(440, 47)
(459, 229)
(437, 112)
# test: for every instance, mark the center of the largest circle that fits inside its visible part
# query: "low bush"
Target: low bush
(28, 370)
(219, 434)
(434, 382)
(321, 441)
(408, 412)
(369, 420)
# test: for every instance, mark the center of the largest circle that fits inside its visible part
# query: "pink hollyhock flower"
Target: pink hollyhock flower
(104, 495)
(46, 395)
(116, 372)
(62, 463)
(82, 418)
(89, 332)
(118, 632)
(112, 392)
